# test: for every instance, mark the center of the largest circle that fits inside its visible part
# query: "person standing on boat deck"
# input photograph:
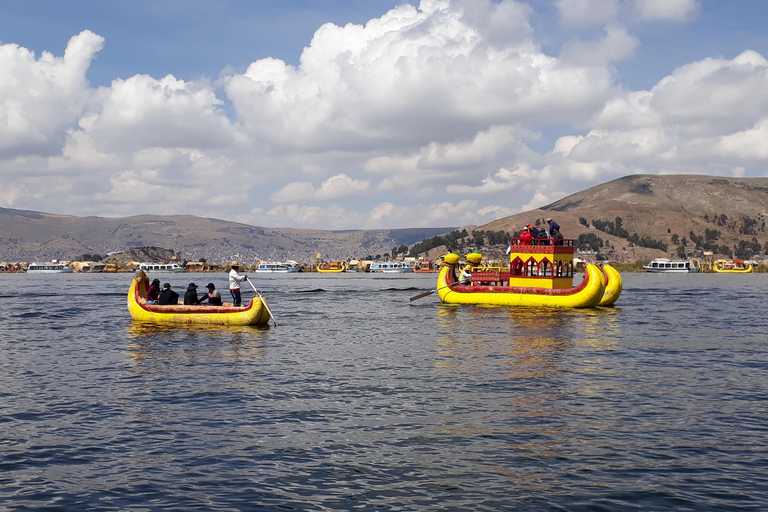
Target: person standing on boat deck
(213, 296)
(234, 283)
(190, 297)
(153, 292)
(552, 226)
(168, 296)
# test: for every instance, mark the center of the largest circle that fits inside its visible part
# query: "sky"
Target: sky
(340, 114)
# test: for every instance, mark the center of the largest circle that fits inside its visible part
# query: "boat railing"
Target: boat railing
(539, 245)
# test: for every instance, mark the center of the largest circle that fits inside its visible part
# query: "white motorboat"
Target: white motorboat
(161, 267)
(265, 267)
(391, 267)
(53, 267)
(660, 265)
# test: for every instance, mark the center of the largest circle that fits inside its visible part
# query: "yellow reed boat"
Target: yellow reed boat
(538, 276)
(255, 313)
(731, 267)
(333, 267)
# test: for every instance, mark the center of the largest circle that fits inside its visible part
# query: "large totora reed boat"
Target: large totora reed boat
(538, 275)
(255, 313)
(334, 267)
(732, 267)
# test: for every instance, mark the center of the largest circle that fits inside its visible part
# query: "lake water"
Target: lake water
(362, 400)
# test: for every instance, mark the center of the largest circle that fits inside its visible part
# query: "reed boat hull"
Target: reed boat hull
(255, 313)
(588, 294)
(747, 270)
(613, 286)
(728, 267)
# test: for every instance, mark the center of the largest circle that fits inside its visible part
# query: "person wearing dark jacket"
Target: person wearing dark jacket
(557, 236)
(153, 291)
(213, 296)
(168, 296)
(552, 227)
(190, 297)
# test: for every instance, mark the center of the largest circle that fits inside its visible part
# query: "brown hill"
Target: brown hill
(27, 235)
(656, 207)
(660, 207)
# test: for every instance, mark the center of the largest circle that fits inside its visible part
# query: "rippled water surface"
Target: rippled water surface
(362, 400)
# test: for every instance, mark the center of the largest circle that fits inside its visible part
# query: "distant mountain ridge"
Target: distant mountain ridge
(665, 208)
(28, 235)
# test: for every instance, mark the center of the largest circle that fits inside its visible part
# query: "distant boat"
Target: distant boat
(283, 268)
(391, 267)
(333, 267)
(53, 267)
(426, 267)
(732, 267)
(663, 265)
(161, 267)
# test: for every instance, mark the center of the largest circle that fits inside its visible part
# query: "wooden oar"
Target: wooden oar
(263, 302)
(430, 292)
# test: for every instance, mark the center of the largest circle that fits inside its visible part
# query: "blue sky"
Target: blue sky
(341, 115)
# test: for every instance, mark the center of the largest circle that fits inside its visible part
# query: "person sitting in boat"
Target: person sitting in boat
(168, 296)
(541, 238)
(213, 297)
(234, 283)
(190, 296)
(526, 237)
(473, 261)
(153, 292)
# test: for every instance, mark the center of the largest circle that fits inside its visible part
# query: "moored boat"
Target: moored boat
(161, 267)
(53, 267)
(333, 267)
(426, 267)
(391, 267)
(255, 313)
(538, 275)
(663, 265)
(732, 267)
(266, 267)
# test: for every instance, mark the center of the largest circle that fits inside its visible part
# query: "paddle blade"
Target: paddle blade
(416, 297)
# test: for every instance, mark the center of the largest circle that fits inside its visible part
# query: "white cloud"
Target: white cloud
(144, 112)
(41, 98)
(587, 12)
(749, 145)
(504, 179)
(297, 191)
(537, 201)
(421, 117)
(339, 186)
(335, 187)
(675, 10)
(410, 78)
(617, 45)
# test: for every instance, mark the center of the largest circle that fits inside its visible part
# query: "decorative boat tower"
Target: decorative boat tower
(536, 266)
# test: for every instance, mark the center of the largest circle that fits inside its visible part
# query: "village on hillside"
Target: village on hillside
(608, 242)
(626, 222)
